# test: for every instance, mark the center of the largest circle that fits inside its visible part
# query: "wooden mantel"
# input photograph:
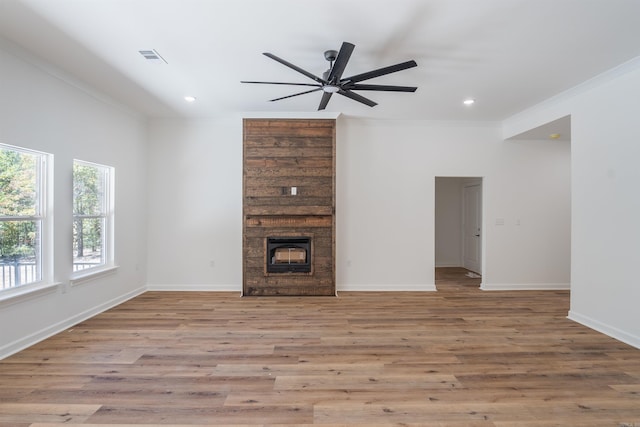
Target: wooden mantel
(289, 190)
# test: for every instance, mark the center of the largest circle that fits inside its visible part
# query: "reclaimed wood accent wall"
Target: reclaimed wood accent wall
(280, 155)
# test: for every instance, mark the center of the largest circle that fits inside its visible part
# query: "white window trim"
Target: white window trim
(45, 186)
(108, 238)
(90, 274)
(24, 292)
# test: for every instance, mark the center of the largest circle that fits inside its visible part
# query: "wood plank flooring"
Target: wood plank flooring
(457, 357)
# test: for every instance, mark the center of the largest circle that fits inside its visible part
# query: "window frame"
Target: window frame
(107, 234)
(43, 218)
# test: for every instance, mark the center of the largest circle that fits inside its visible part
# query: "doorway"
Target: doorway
(458, 223)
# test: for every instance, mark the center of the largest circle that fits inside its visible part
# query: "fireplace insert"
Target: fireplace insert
(288, 254)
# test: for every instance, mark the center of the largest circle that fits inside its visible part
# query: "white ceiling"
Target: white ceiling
(507, 54)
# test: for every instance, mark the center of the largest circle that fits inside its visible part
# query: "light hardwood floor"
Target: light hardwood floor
(457, 357)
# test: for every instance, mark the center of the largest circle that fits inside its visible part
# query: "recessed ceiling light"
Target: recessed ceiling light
(189, 98)
(469, 101)
(555, 136)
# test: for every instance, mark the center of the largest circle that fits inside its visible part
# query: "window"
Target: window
(22, 215)
(92, 216)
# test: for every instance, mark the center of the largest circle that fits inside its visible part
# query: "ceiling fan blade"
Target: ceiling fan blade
(294, 67)
(296, 94)
(381, 87)
(282, 83)
(341, 62)
(357, 97)
(381, 72)
(326, 96)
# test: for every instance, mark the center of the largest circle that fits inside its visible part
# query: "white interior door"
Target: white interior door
(472, 228)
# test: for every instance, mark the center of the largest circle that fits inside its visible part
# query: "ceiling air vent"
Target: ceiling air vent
(153, 56)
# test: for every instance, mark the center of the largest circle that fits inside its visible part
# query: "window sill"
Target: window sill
(83, 277)
(25, 292)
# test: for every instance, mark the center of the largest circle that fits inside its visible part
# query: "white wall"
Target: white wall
(49, 112)
(195, 205)
(605, 207)
(448, 222)
(606, 249)
(385, 208)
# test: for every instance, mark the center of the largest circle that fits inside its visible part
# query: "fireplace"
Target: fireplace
(288, 254)
(288, 207)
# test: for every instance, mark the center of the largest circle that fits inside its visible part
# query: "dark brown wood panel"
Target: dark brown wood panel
(289, 128)
(282, 162)
(288, 221)
(288, 210)
(296, 171)
(288, 181)
(297, 152)
(292, 202)
(280, 154)
(287, 141)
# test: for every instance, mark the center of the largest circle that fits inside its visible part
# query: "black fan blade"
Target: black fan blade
(282, 83)
(381, 72)
(381, 87)
(296, 94)
(294, 67)
(357, 97)
(341, 62)
(325, 100)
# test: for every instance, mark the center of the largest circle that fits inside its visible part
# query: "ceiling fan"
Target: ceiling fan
(332, 82)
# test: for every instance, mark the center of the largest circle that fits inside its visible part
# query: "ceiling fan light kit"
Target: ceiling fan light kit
(330, 88)
(332, 82)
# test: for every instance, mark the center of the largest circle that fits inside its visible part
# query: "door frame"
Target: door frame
(464, 181)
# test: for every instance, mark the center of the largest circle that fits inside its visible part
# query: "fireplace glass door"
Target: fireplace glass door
(288, 254)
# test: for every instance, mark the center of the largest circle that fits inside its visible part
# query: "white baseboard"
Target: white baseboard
(28, 341)
(525, 286)
(195, 287)
(608, 330)
(387, 288)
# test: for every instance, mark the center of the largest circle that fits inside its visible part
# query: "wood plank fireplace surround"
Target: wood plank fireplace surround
(288, 207)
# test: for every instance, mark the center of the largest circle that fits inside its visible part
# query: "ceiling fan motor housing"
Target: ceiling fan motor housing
(330, 55)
